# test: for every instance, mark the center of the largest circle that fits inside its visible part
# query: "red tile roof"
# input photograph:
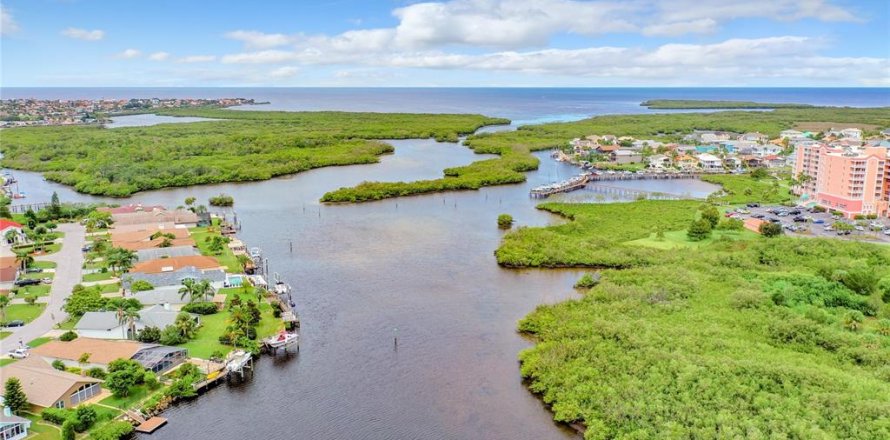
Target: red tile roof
(4, 223)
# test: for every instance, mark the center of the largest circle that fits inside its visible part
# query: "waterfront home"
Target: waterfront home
(686, 162)
(766, 150)
(237, 247)
(709, 162)
(751, 161)
(165, 252)
(163, 295)
(708, 136)
(107, 325)
(216, 277)
(732, 162)
(47, 387)
(639, 144)
(179, 217)
(774, 161)
(131, 208)
(625, 156)
(12, 427)
(659, 161)
(171, 264)
(155, 357)
(151, 237)
(606, 149)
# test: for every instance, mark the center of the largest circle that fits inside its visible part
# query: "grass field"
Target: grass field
(6, 361)
(136, 394)
(37, 275)
(41, 430)
(35, 291)
(675, 239)
(225, 258)
(207, 340)
(110, 288)
(24, 312)
(4, 334)
(44, 264)
(97, 276)
(39, 341)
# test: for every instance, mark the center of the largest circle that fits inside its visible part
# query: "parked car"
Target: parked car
(729, 214)
(27, 282)
(828, 228)
(758, 216)
(87, 248)
(876, 225)
(843, 232)
(819, 221)
(887, 231)
(858, 228)
(799, 219)
(753, 205)
(794, 212)
(775, 220)
(33, 270)
(14, 323)
(18, 353)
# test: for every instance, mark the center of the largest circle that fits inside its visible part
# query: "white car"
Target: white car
(859, 228)
(886, 231)
(18, 353)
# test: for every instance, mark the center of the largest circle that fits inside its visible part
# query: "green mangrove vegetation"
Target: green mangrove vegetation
(696, 104)
(240, 146)
(740, 338)
(515, 147)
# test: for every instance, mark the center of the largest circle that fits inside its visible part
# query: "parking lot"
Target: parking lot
(805, 222)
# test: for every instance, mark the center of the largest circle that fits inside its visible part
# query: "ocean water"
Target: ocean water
(522, 105)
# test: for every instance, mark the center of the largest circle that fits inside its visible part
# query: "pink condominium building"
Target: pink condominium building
(850, 180)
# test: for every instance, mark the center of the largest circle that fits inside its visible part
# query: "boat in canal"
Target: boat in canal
(282, 339)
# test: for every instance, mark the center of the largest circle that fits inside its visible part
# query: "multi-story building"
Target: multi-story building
(852, 181)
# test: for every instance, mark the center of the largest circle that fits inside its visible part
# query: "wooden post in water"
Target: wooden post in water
(395, 338)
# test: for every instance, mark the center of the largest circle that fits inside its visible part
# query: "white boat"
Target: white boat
(281, 288)
(282, 339)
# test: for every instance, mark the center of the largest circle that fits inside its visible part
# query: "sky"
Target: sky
(450, 43)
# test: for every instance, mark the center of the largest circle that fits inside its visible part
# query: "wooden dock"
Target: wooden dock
(602, 177)
(151, 425)
(572, 184)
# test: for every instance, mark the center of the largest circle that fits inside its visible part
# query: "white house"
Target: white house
(709, 162)
(106, 325)
(754, 137)
(8, 225)
(659, 161)
(788, 134)
(851, 133)
(766, 150)
(13, 427)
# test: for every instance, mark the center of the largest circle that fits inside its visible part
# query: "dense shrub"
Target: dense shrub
(141, 286)
(112, 431)
(56, 415)
(588, 280)
(170, 335)
(96, 372)
(699, 230)
(505, 221)
(149, 334)
(769, 229)
(58, 365)
(200, 308)
(70, 335)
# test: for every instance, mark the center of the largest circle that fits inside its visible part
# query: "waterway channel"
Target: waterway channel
(422, 265)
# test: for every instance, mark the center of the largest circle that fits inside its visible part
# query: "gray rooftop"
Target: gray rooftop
(162, 295)
(174, 251)
(175, 278)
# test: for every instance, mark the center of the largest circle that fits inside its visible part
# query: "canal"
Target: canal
(422, 265)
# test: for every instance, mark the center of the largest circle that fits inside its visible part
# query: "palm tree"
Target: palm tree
(4, 301)
(120, 259)
(195, 289)
(24, 259)
(127, 318)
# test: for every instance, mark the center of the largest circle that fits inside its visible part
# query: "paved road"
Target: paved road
(69, 264)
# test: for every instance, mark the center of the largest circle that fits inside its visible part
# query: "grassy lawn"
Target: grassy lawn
(39, 341)
(41, 430)
(29, 291)
(6, 361)
(68, 324)
(37, 275)
(206, 341)
(137, 393)
(98, 276)
(675, 239)
(226, 258)
(94, 265)
(44, 264)
(109, 288)
(24, 312)
(48, 249)
(4, 334)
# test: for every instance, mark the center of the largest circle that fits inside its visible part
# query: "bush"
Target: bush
(96, 372)
(819, 209)
(58, 365)
(769, 229)
(200, 308)
(68, 429)
(151, 380)
(149, 335)
(141, 286)
(731, 224)
(70, 335)
(225, 339)
(699, 230)
(56, 415)
(711, 214)
(112, 431)
(222, 200)
(860, 278)
(171, 336)
(588, 281)
(85, 416)
(505, 221)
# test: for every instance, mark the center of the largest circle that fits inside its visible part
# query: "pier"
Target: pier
(634, 193)
(572, 184)
(604, 177)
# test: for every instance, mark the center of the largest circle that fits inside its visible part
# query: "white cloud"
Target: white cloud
(284, 72)
(261, 57)
(197, 59)
(700, 26)
(8, 25)
(259, 40)
(130, 53)
(159, 56)
(83, 34)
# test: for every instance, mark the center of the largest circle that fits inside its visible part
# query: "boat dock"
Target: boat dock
(601, 177)
(572, 184)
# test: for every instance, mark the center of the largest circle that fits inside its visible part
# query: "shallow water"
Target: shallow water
(423, 265)
(148, 120)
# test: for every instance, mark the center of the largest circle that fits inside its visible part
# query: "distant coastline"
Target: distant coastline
(695, 104)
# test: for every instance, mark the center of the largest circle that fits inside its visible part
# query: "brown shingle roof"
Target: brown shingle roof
(145, 234)
(43, 384)
(175, 263)
(101, 351)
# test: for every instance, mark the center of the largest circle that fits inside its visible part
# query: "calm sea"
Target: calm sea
(522, 105)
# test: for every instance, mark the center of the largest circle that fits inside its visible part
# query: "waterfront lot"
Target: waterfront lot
(815, 223)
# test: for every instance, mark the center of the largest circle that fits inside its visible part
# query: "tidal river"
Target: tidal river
(423, 265)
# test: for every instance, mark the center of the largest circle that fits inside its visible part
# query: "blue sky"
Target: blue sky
(446, 43)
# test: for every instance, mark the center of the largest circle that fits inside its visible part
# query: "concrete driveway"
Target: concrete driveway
(69, 264)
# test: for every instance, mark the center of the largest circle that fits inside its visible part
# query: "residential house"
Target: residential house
(766, 150)
(171, 264)
(774, 161)
(788, 134)
(710, 163)
(13, 427)
(625, 156)
(151, 237)
(180, 217)
(133, 207)
(47, 387)
(846, 133)
(155, 357)
(733, 162)
(756, 137)
(686, 162)
(659, 161)
(162, 295)
(9, 271)
(607, 148)
(217, 277)
(107, 325)
(166, 252)
(7, 226)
